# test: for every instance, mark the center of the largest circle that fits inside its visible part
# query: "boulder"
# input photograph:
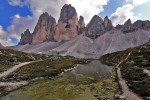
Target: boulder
(45, 29)
(67, 24)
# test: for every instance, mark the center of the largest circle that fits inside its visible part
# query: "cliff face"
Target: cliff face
(95, 28)
(142, 24)
(128, 27)
(81, 25)
(26, 38)
(45, 29)
(67, 25)
(107, 24)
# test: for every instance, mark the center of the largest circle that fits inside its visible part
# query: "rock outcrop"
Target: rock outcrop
(142, 24)
(26, 38)
(67, 24)
(81, 25)
(118, 27)
(1, 46)
(107, 24)
(128, 27)
(95, 28)
(45, 29)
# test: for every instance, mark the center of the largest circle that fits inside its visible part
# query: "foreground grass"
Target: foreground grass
(45, 68)
(132, 68)
(10, 57)
(66, 88)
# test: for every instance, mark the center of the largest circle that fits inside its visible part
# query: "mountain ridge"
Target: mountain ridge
(75, 36)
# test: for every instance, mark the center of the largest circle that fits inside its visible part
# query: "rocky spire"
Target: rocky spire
(128, 27)
(95, 28)
(45, 29)
(26, 38)
(107, 24)
(67, 24)
(67, 12)
(81, 25)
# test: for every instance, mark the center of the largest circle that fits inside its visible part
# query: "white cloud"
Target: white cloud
(19, 25)
(16, 2)
(122, 14)
(5, 40)
(138, 2)
(88, 8)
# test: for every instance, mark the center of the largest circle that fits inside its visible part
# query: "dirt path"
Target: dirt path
(126, 91)
(13, 83)
(14, 68)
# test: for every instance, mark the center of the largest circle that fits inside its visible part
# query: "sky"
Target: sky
(18, 15)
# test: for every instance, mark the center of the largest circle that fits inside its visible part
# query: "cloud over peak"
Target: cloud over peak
(122, 14)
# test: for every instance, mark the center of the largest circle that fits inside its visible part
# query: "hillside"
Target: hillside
(10, 57)
(135, 70)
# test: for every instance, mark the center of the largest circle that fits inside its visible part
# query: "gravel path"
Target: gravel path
(13, 83)
(126, 91)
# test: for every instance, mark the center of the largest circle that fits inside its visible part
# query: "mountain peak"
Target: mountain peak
(128, 27)
(45, 29)
(128, 22)
(67, 12)
(96, 18)
(81, 25)
(106, 18)
(95, 28)
(67, 24)
(107, 24)
(26, 38)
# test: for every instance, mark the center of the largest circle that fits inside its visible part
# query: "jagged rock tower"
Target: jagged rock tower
(67, 24)
(45, 29)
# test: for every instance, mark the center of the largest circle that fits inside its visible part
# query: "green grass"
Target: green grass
(45, 68)
(10, 57)
(64, 88)
(132, 68)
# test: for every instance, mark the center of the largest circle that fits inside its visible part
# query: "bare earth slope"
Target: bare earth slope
(111, 41)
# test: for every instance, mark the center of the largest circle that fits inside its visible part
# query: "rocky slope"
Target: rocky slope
(109, 42)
